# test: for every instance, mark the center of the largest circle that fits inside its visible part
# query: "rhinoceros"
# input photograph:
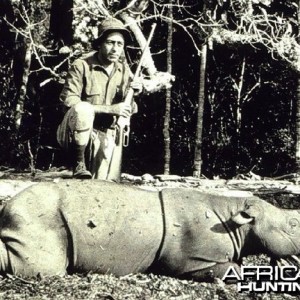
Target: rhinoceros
(81, 226)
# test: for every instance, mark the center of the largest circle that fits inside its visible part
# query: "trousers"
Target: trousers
(77, 128)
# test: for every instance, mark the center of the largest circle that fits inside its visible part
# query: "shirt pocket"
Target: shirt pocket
(93, 91)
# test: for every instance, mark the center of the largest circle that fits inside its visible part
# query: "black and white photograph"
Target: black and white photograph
(150, 149)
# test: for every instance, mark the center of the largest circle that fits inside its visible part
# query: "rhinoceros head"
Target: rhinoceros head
(277, 230)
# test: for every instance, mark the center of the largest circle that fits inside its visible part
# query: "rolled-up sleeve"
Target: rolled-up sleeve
(72, 90)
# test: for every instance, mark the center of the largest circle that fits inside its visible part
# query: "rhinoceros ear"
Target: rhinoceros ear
(246, 216)
(242, 218)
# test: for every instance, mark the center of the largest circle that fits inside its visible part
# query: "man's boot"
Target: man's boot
(80, 171)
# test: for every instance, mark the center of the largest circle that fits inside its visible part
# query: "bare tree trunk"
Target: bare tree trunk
(239, 98)
(61, 17)
(199, 129)
(167, 116)
(297, 150)
(23, 87)
(239, 113)
(132, 24)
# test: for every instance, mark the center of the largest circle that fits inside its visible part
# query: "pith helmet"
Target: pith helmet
(110, 25)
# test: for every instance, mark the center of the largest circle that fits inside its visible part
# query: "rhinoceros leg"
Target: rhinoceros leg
(33, 237)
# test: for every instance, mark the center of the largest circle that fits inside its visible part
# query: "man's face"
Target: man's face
(112, 47)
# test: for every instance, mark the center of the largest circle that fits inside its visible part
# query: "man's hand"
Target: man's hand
(121, 109)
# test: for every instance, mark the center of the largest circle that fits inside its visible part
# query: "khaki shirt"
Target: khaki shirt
(87, 80)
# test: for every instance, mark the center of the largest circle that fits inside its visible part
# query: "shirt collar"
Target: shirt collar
(96, 62)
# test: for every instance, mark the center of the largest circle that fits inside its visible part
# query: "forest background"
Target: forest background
(233, 108)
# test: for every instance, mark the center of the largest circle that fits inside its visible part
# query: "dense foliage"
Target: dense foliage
(266, 138)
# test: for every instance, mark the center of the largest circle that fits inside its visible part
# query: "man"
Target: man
(93, 92)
